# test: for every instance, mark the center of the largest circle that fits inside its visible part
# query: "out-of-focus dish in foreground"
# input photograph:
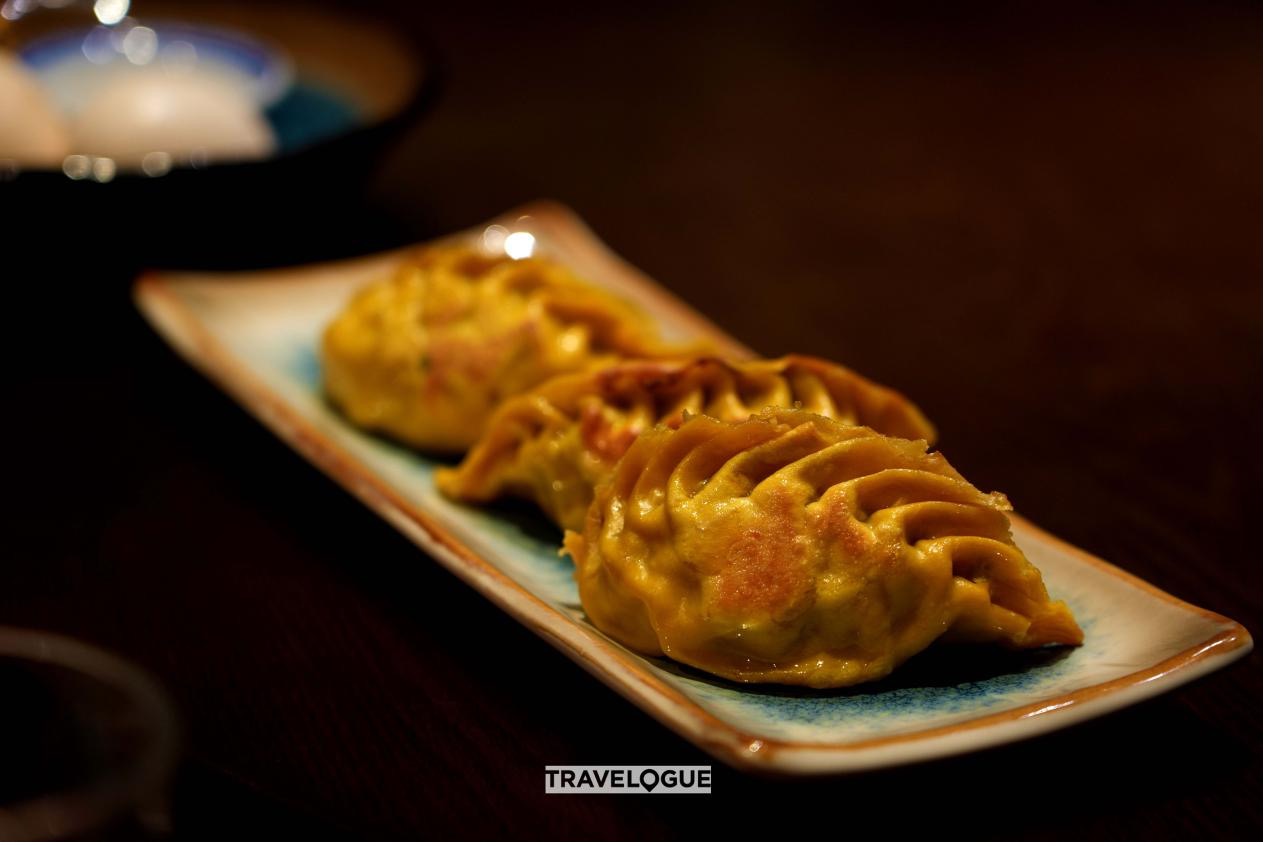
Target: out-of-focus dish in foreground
(89, 742)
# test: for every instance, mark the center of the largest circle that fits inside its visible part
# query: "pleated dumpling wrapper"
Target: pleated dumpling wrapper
(427, 354)
(555, 443)
(795, 549)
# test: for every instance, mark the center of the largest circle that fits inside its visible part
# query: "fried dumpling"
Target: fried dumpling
(555, 443)
(795, 549)
(426, 355)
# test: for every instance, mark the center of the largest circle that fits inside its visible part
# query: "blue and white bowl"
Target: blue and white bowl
(323, 82)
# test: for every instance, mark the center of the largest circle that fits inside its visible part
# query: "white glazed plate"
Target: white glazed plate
(256, 335)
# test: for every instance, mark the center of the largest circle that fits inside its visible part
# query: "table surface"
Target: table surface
(1043, 224)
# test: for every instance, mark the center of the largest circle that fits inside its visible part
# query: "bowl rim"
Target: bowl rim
(84, 809)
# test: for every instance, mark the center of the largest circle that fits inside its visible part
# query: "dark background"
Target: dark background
(1040, 220)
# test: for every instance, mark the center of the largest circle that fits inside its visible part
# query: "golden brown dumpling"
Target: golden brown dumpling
(426, 355)
(795, 549)
(555, 443)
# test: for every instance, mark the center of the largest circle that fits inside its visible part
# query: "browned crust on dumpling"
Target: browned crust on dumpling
(555, 443)
(794, 549)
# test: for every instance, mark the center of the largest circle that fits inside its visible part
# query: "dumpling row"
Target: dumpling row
(766, 521)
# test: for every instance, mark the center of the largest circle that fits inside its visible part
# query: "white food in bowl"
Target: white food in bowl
(181, 114)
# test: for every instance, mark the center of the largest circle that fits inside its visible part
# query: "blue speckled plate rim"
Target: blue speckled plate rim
(608, 661)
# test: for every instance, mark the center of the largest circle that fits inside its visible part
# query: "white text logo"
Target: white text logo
(689, 779)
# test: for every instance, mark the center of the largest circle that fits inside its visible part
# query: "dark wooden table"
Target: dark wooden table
(1041, 221)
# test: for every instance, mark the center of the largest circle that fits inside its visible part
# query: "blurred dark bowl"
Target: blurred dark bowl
(238, 213)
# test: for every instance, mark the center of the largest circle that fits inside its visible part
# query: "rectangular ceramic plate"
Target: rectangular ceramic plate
(256, 334)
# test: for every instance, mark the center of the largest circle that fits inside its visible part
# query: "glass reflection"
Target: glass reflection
(520, 245)
(110, 12)
(156, 163)
(103, 168)
(140, 45)
(77, 167)
(494, 238)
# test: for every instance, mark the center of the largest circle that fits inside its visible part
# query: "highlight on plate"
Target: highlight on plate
(773, 521)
